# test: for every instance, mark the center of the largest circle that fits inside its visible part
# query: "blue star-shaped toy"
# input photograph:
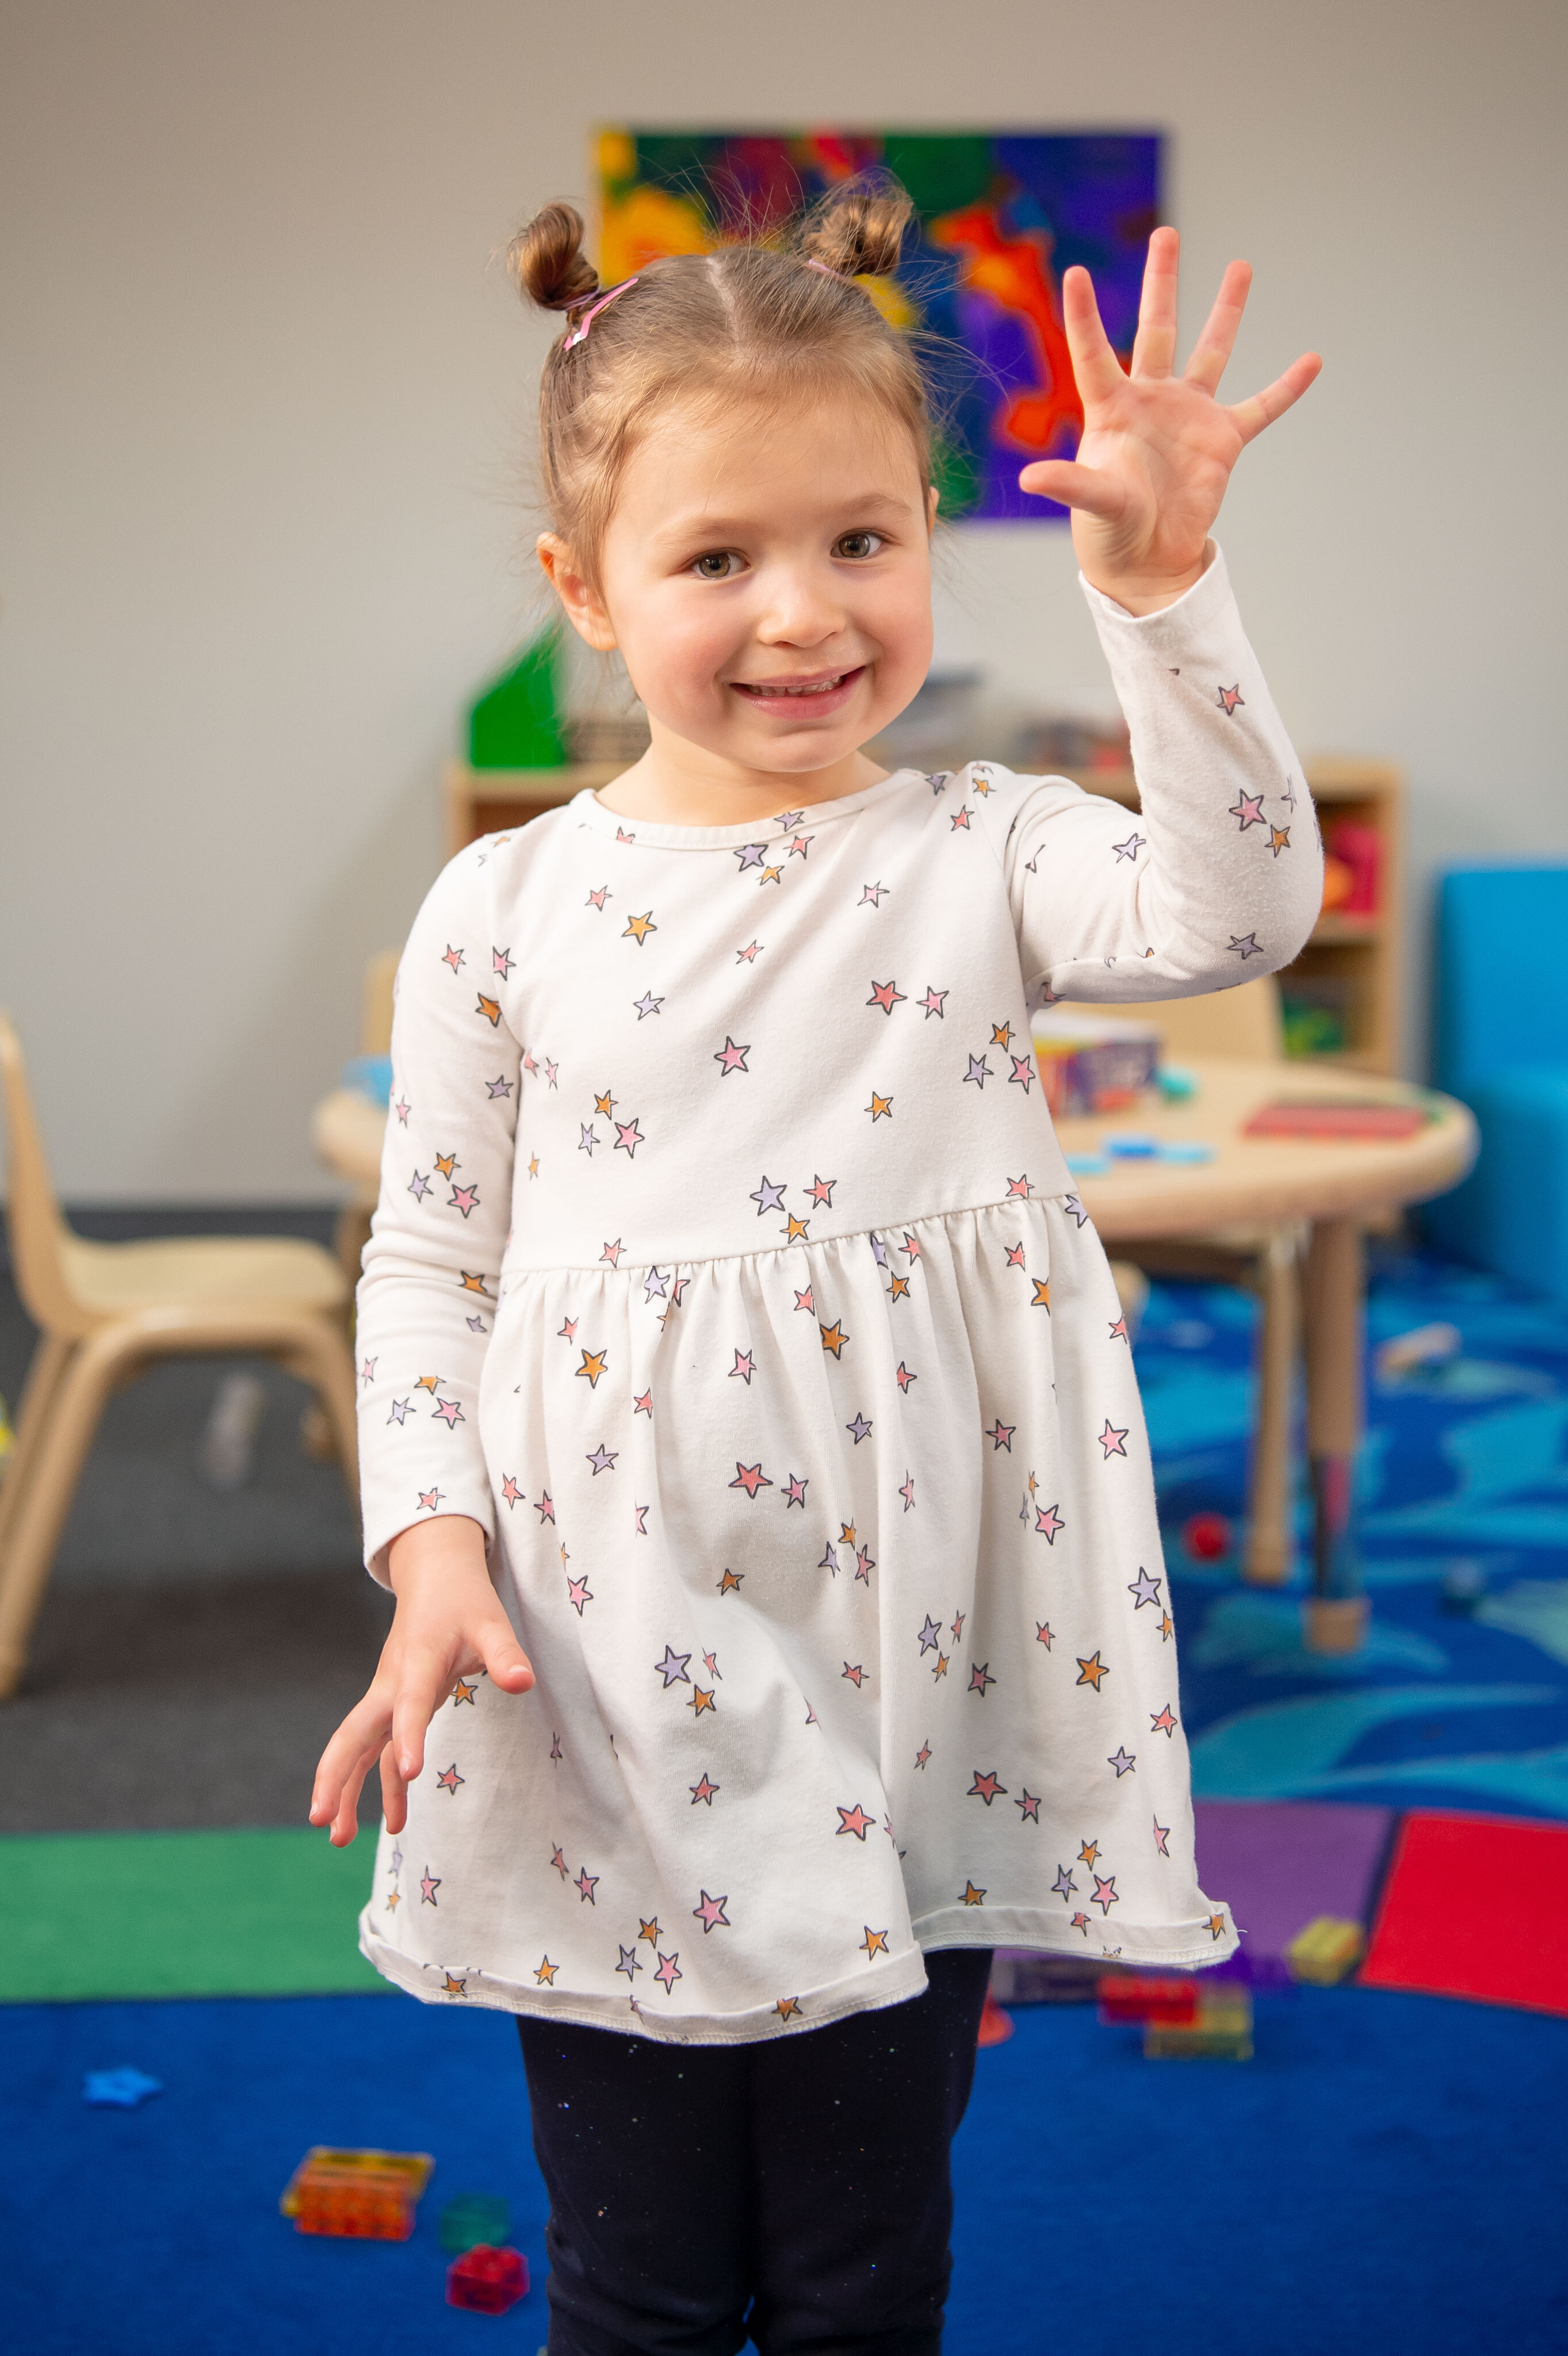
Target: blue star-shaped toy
(119, 2089)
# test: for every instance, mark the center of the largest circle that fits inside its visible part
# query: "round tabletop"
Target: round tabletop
(1264, 1181)
(1251, 1181)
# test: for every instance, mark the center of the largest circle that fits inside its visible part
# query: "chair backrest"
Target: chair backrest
(1500, 997)
(1243, 1021)
(33, 1214)
(376, 1003)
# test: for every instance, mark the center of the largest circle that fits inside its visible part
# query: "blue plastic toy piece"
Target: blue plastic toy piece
(1502, 1048)
(1131, 1147)
(1088, 1165)
(119, 2090)
(1187, 1150)
(370, 1076)
(1176, 1084)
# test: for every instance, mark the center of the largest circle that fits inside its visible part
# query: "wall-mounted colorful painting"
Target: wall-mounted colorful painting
(999, 217)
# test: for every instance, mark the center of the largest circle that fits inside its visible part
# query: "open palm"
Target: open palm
(1157, 449)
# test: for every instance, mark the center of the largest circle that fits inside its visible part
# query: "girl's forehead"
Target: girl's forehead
(747, 454)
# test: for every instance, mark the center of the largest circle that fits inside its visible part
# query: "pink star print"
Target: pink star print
(1112, 1441)
(704, 1790)
(629, 1137)
(733, 1058)
(804, 1300)
(904, 1377)
(886, 995)
(1119, 1331)
(1165, 1724)
(429, 1499)
(1019, 1186)
(463, 1199)
(643, 1404)
(1047, 1522)
(855, 1820)
(873, 893)
(1104, 1893)
(510, 1491)
(597, 899)
(545, 1506)
(448, 1412)
(960, 818)
(753, 950)
(577, 1594)
(856, 1675)
(1248, 810)
(454, 957)
(1001, 1435)
(501, 963)
(568, 1331)
(711, 1913)
(907, 1491)
(1022, 1073)
(1230, 697)
(745, 1366)
(1042, 1634)
(1014, 1255)
(751, 1478)
(1162, 1833)
(822, 1191)
(932, 1003)
(558, 1860)
(612, 1252)
(587, 1884)
(401, 1110)
(429, 1883)
(795, 1494)
(640, 1521)
(1030, 1805)
(986, 1787)
(669, 1971)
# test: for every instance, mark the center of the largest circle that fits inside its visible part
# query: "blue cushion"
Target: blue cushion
(1501, 1004)
(1511, 1213)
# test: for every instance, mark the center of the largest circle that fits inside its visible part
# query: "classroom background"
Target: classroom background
(266, 523)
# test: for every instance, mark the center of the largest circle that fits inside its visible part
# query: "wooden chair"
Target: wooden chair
(103, 1313)
(1244, 1022)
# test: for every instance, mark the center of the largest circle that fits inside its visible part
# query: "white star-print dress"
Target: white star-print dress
(728, 1271)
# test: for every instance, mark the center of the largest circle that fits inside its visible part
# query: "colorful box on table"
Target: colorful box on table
(1093, 1063)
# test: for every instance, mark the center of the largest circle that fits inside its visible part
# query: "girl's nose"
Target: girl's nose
(801, 609)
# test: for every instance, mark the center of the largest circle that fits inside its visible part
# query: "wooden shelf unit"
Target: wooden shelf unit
(1360, 958)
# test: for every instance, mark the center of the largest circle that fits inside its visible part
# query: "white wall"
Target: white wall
(266, 396)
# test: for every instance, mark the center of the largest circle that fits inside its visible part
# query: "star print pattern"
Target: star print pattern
(586, 1086)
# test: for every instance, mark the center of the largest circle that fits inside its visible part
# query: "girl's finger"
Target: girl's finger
(1215, 344)
(361, 1734)
(394, 1790)
(1094, 364)
(1084, 488)
(426, 1685)
(346, 1816)
(1251, 416)
(505, 1663)
(1155, 348)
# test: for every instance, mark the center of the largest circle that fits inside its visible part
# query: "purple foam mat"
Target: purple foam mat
(1278, 1864)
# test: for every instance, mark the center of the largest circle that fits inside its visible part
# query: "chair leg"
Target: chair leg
(1269, 1535)
(50, 1358)
(63, 1440)
(322, 1359)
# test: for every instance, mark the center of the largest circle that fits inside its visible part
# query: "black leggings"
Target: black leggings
(797, 2189)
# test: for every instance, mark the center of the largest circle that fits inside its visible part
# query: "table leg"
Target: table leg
(1267, 1558)
(1334, 1301)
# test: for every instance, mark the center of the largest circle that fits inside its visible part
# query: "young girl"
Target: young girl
(742, 1382)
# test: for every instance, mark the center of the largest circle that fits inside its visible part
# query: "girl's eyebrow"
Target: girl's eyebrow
(718, 526)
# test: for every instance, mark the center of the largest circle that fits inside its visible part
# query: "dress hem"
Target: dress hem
(1180, 1946)
(901, 1977)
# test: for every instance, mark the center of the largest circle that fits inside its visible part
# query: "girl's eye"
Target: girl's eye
(718, 564)
(859, 544)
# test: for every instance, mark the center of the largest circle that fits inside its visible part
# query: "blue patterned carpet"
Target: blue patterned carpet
(1463, 1484)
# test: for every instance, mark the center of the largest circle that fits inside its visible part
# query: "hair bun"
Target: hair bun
(859, 230)
(547, 261)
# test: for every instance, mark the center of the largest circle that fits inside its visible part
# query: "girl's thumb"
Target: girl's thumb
(505, 1663)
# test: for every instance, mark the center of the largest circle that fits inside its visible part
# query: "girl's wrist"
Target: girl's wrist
(1143, 592)
(453, 1544)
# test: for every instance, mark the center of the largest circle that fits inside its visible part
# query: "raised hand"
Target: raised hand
(449, 1624)
(1157, 449)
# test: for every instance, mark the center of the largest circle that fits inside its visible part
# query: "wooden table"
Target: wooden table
(1326, 1187)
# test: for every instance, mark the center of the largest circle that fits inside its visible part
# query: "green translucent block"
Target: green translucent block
(470, 2218)
(516, 723)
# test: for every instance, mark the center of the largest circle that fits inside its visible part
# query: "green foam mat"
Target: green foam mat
(100, 1915)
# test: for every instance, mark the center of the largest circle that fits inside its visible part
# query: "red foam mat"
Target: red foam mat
(1476, 1906)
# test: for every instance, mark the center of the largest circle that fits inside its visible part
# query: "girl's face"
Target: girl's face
(767, 577)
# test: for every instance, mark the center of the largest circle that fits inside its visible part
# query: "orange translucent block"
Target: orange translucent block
(368, 2196)
(1169, 2003)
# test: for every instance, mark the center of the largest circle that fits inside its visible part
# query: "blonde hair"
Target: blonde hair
(746, 322)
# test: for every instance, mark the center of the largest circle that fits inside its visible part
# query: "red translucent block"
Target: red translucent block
(489, 2281)
(1168, 2003)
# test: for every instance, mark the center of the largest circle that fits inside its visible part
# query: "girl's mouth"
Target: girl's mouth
(791, 698)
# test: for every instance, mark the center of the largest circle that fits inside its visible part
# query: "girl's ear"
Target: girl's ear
(584, 608)
(933, 500)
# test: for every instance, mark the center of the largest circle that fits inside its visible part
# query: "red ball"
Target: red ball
(1207, 1537)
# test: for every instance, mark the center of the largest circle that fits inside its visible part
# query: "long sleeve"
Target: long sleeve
(1219, 876)
(432, 1268)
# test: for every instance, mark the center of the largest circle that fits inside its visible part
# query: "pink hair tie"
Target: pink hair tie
(600, 303)
(811, 263)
